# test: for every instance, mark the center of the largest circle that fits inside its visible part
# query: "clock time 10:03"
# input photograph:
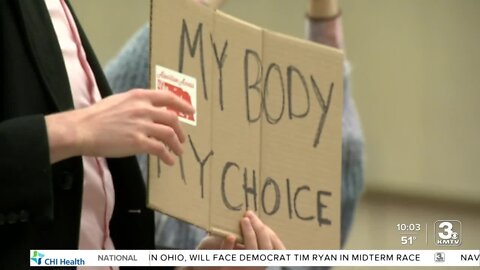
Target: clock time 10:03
(409, 232)
(412, 227)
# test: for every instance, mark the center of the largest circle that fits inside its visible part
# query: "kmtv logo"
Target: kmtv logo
(448, 233)
(37, 257)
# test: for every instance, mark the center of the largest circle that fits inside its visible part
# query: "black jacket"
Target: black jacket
(40, 204)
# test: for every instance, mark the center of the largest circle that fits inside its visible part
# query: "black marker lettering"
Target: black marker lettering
(253, 85)
(324, 106)
(307, 188)
(290, 71)
(320, 206)
(201, 162)
(220, 61)
(198, 41)
(182, 169)
(289, 199)
(269, 181)
(227, 166)
(271, 119)
(252, 190)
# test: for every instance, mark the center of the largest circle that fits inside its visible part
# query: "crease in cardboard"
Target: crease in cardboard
(210, 228)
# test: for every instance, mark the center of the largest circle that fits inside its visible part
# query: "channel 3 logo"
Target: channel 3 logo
(439, 257)
(448, 233)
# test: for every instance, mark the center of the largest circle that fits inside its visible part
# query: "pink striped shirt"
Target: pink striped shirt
(98, 193)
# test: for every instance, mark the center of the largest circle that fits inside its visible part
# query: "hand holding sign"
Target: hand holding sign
(256, 235)
(120, 125)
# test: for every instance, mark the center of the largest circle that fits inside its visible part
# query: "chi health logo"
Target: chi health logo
(37, 257)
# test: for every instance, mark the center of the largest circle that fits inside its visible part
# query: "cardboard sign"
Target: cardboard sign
(268, 127)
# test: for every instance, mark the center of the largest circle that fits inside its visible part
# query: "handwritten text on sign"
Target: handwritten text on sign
(268, 132)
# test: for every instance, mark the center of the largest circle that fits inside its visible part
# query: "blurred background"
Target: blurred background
(416, 79)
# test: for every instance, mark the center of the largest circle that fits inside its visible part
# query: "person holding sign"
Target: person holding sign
(68, 180)
(130, 69)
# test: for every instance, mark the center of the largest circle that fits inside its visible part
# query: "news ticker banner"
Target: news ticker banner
(147, 258)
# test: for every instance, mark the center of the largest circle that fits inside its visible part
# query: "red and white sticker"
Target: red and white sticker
(181, 85)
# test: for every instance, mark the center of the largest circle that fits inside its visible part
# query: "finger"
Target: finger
(155, 147)
(261, 231)
(277, 244)
(169, 118)
(166, 135)
(248, 234)
(239, 246)
(210, 242)
(167, 99)
(228, 243)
